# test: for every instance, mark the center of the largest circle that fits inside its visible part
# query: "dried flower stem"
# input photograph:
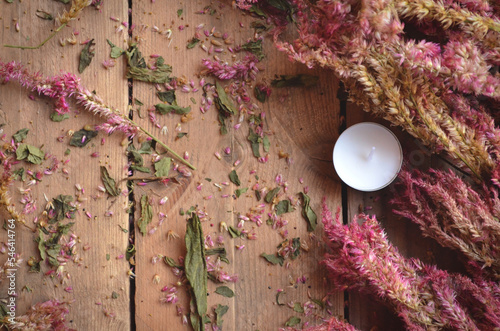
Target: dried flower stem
(42, 43)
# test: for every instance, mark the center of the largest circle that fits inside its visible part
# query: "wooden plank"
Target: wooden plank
(304, 123)
(367, 313)
(93, 278)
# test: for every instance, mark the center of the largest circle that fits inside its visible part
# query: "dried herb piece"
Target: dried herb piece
(56, 117)
(259, 94)
(108, 257)
(308, 213)
(19, 174)
(241, 191)
(259, 26)
(284, 206)
(49, 249)
(167, 96)
(109, 183)
(116, 51)
(179, 12)
(195, 268)
(162, 167)
(225, 106)
(137, 160)
(82, 137)
(273, 258)
(220, 251)
(86, 56)
(44, 15)
(295, 81)
(171, 262)
(219, 312)
(180, 135)
(266, 144)
(254, 47)
(30, 153)
(278, 298)
(137, 68)
(138, 102)
(130, 252)
(114, 295)
(234, 232)
(122, 228)
(20, 135)
(146, 147)
(146, 214)
(193, 42)
(297, 307)
(233, 177)
(255, 141)
(60, 208)
(224, 291)
(167, 109)
(292, 321)
(271, 194)
(257, 11)
(258, 195)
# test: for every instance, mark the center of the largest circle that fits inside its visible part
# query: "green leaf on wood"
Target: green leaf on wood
(116, 51)
(20, 135)
(284, 206)
(224, 291)
(233, 177)
(255, 141)
(219, 312)
(241, 191)
(146, 214)
(86, 56)
(273, 258)
(224, 105)
(292, 321)
(137, 68)
(109, 183)
(271, 194)
(82, 137)
(308, 213)
(56, 117)
(162, 167)
(297, 307)
(193, 42)
(234, 232)
(167, 96)
(254, 47)
(163, 109)
(30, 153)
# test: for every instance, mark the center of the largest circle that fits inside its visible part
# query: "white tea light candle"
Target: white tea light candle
(367, 156)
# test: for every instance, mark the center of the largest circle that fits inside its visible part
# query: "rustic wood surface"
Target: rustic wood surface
(302, 122)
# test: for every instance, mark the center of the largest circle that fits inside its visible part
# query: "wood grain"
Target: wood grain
(93, 278)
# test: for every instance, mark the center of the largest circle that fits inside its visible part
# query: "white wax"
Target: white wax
(367, 156)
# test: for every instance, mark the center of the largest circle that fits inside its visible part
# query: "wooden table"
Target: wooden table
(301, 122)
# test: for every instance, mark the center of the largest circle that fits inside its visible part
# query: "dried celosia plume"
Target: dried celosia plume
(450, 211)
(423, 296)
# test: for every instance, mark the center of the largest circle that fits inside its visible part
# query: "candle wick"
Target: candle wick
(370, 155)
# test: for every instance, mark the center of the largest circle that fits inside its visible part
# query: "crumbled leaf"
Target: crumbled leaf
(195, 268)
(116, 51)
(123, 229)
(193, 42)
(258, 195)
(114, 295)
(56, 117)
(82, 137)
(167, 109)
(162, 167)
(234, 232)
(224, 291)
(295, 80)
(44, 15)
(297, 307)
(292, 321)
(146, 214)
(86, 56)
(296, 248)
(255, 141)
(320, 303)
(180, 135)
(67, 152)
(233, 177)
(171, 262)
(308, 213)
(284, 206)
(108, 257)
(225, 106)
(19, 174)
(254, 47)
(259, 94)
(273, 258)
(278, 298)
(138, 102)
(30, 153)
(130, 252)
(61, 207)
(266, 143)
(146, 147)
(219, 312)
(140, 169)
(241, 191)
(109, 183)
(271, 194)
(257, 11)
(179, 12)
(208, 179)
(167, 96)
(193, 100)
(137, 68)
(20, 135)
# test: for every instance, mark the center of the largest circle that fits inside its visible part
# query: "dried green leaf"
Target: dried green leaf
(30, 153)
(146, 147)
(86, 56)
(123, 229)
(179, 12)
(82, 137)
(44, 15)
(308, 213)
(162, 167)
(108, 257)
(284, 206)
(273, 258)
(257, 11)
(193, 42)
(138, 102)
(259, 94)
(255, 141)
(19, 174)
(41, 245)
(195, 268)
(146, 214)
(137, 68)
(219, 312)
(180, 135)
(116, 51)
(224, 291)
(167, 96)
(130, 252)
(233, 177)
(61, 208)
(278, 298)
(295, 81)
(20, 135)
(114, 295)
(241, 191)
(225, 107)
(292, 321)
(297, 307)
(266, 143)
(171, 262)
(271, 194)
(234, 232)
(167, 109)
(254, 47)
(56, 117)
(109, 183)
(259, 26)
